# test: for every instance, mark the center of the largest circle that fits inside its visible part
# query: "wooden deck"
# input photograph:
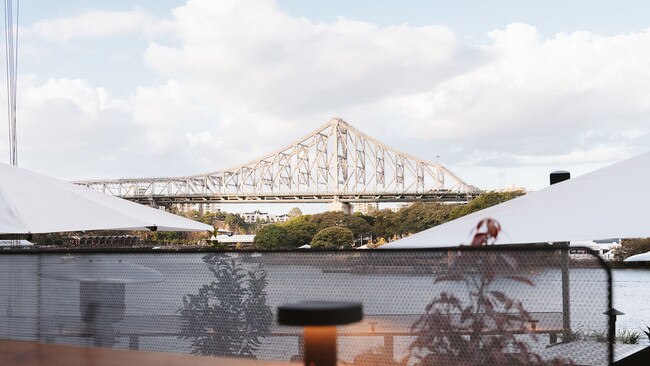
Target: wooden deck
(19, 353)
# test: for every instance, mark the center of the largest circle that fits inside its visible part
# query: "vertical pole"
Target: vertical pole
(566, 290)
(11, 56)
(39, 298)
(557, 177)
(320, 345)
(389, 346)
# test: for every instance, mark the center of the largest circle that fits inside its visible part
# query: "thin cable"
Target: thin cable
(11, 56)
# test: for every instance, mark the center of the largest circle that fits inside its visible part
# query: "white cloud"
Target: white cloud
(91, 101)
(243, 78)
(261, 58)
(95, 24)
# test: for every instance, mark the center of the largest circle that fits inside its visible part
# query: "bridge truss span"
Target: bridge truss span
(336, 161)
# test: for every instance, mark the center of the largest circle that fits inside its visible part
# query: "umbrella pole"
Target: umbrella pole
(557, 177)
(566, 290)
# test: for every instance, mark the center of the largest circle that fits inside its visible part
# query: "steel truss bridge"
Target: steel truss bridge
(334, 163)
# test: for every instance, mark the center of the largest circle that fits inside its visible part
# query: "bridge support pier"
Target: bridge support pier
(337, 205)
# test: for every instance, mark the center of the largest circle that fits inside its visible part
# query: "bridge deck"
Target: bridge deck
(450, 197)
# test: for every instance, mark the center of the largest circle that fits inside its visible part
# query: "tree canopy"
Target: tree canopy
(300, 231)
(271, 237)
(483, 201)
(421, 216)
(385, 224)
(295, 212)
(333, 237)
(355, 223)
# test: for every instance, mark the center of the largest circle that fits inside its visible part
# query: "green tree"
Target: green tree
(630, 247)
(356, 224)
(229, 316)
(333, 237)
(483, 201)
(271, 236)
(386, 224)
(236, 223)
(299, 231)
(370, 218)
(295, 212)
(421, 216)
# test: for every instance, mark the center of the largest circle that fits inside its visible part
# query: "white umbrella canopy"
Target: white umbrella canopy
(34, 203)
(608, 203)
(643, 257)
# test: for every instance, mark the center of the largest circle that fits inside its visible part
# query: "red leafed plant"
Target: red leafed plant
(482, 326)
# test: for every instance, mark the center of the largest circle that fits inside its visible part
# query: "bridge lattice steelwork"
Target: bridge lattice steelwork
(335, 162)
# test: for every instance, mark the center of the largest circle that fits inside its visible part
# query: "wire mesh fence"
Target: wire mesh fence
(421, 307)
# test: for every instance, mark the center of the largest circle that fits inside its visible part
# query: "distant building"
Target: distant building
(400, 206)
(365, 208)
(258, 216)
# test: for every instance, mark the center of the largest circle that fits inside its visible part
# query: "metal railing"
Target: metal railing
(441, 306)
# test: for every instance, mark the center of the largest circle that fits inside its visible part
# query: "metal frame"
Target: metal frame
(336, 161)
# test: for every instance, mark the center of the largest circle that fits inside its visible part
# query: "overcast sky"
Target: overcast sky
(503, 92)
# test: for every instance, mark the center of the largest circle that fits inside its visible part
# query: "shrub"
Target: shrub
(628, 337)
(477, 338)
(229, 316)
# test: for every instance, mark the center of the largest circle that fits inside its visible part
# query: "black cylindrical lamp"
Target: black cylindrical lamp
(319, 319)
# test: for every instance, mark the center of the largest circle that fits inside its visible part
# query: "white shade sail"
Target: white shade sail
(643, 257)
(608, 203)
(34, 203)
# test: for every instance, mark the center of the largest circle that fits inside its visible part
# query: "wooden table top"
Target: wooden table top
(21, 353)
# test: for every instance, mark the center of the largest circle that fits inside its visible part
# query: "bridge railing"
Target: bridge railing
(424, 307)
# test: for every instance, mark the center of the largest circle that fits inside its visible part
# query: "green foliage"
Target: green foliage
(355, 223)
(215, 245)
(370, 219)
(167, 237)
(211, 218)
(630, 247)
(53, 239)
(483, 201)
(628, 337)
(599, 336)
(421, 216)
(386, 224)
(237, 224)
(571, 335)
(333, 237)
(295, 212)
(229, 316)
(299, 231)
(271, 236)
